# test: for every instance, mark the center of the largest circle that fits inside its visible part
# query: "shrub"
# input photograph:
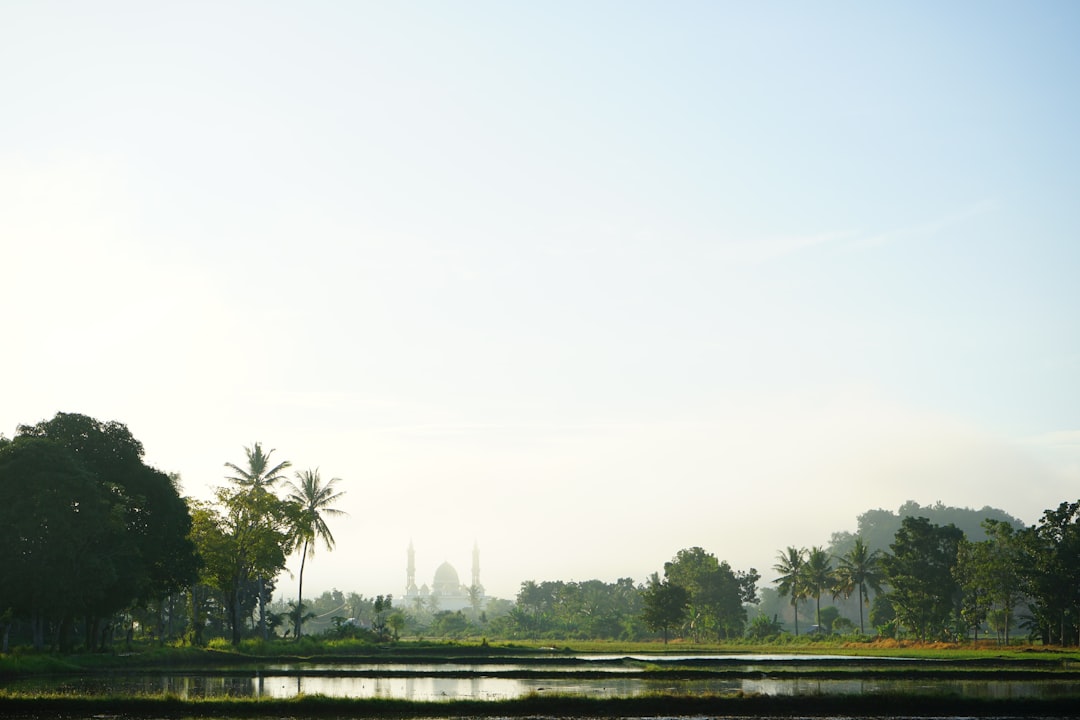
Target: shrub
(762, 628)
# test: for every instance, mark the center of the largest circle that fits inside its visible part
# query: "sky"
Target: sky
(580, 283)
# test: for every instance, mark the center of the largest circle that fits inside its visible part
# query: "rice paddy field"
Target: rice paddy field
(585, 680)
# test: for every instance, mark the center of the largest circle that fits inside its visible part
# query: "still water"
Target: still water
(480, 687)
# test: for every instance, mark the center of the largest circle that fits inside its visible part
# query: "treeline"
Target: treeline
(95, 545)
(937, 582)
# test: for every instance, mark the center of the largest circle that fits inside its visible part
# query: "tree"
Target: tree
(1006, 580)
(245, 541)
(258, 478)
(692, 569)
(859, 570)
(716, 592)
(258, 474)
(536, 601)
(818, 577)
(151, 555)
(57, 537)
(790, 564)
(665, 605)
(383, 605)
(396, 621)
(924, 593)
(970, 574)
(314, 501)
(1050, 556)
(991, 575)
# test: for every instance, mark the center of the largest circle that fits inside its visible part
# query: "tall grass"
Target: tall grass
(735, 704)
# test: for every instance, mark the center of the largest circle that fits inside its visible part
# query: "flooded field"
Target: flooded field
(594, 676)
(498, 688)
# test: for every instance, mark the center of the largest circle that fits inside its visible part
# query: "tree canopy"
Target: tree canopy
(88, 528)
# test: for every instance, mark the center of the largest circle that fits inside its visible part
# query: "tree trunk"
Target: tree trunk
(300, 595)
(37, 629)
(62, 636)
(861, 631)
(234, 615)
(262, 608)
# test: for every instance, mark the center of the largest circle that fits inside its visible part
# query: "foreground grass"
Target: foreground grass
(536, 705)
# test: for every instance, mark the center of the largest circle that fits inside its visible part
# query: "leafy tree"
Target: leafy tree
(258, 478)
(717, 593)
(151, 555)
(245, 541)
(693, 569)
(790, 564)
(827, 617)
(924, 593)
(57, 534)
(665, 604)
(842, 626)
(313, 500)
(970, 575)
(991, 575)
(1050, 555)
(396, 622)
(536, 601)
(859, 570)
(383, 605)
(883, 615)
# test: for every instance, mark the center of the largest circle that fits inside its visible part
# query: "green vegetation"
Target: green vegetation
(88, 530)
(665, 705)
(100, 553)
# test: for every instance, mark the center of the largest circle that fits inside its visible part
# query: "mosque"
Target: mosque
(447, 591)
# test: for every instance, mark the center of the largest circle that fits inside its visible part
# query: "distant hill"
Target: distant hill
(878, 527)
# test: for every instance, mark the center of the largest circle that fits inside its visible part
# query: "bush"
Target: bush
(762, 628)
(843, 626)
(219, 643)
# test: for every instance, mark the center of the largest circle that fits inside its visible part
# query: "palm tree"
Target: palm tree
(859, 569)
(313, 501)
(790, 564)
(258, 475)
(818, 576)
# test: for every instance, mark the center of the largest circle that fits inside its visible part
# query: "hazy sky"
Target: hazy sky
(584, 283)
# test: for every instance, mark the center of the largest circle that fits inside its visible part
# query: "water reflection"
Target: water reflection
(434, 688)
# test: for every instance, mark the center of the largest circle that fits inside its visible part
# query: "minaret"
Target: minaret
(476, 566)
(410, 572)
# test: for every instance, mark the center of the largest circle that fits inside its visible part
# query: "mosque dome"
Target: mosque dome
(446, 591)
(446, 579)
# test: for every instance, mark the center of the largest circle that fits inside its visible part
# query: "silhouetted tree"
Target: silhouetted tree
(313, 500)
(665, 605)
(924, 592)
(859, 570)
(791, 582)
